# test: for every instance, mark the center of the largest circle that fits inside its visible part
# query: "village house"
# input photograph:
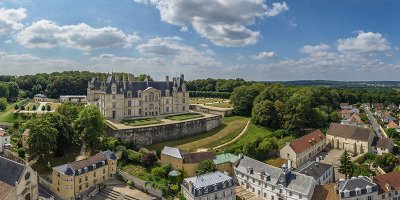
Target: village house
(387, 118)
(70, 180)
(210, 186)
(185, 161)
(5, 140)
(38, 98)
(304, 148)
(382, 145)
(73, 98)
(269, 182)
(17, 181)
(354, 139)
(377, 106)
(355, 120)
(388, 185)
(357, 188)
(392, 124)
(345, 114)
(392, 107)
(346, 106)
(120, 99)
(226, 162)
(321, 172)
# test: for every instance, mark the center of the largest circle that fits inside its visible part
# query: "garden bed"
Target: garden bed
(141, 122)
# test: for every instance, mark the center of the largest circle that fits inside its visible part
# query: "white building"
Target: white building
(210, 186)
(321, 172)
(272, 183)
(360, 188)
(4, 139)
(73, 98)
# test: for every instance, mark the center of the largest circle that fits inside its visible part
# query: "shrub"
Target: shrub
(34, 107)
(43, 108)
(129, 183)
(167, 167)
(148, 159)
(21, 153)
(16, 107)
(48, 107)
(133, 156)
(159, 172)
(3, 104)
(175, 189)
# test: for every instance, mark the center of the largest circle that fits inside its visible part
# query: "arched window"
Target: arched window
(145, 98)
(151, 96)
(151, 107)
(156, 98)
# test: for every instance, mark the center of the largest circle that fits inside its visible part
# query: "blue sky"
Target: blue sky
(250, 39)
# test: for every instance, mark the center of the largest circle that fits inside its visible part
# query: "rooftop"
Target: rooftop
(347, 131)
(305, 142)
(354, 184)
(392, 124)
(387, 182)
(326, 192)
(197, 157)
(10, 171)
(382, 142)
(224, 158)
(208, 179)
(172, 151)
(315, 169)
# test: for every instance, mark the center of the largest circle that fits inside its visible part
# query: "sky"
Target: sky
(252, 39)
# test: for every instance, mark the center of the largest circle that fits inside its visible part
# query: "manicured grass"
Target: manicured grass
(70, 156)
(253, 133)
(30, 106)
(276, 161)
(185, 116)
(230, 128)
(7, 115)
(141, 122)
(221, 105)
(205, 100)
(137, 171)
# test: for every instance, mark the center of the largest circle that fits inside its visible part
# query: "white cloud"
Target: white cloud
(223, 22)
(365, 42)
(184, 29)
(263, 55)
(309, 49)
(276, 9)
(11, 20)
(47, 34)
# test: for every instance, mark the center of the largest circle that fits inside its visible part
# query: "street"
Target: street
(373, 122)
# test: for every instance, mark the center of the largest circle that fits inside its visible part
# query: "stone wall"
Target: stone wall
(143, 136)
(141, 184)
(225, 112)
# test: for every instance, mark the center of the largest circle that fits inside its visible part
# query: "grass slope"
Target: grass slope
(141, 122)
(184, 116)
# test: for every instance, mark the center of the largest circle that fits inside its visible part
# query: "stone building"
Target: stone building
(269, 182)
(69, 181)
(388, 185)
(357, 188)
(210, 186)
(382, 145)
(225, 162)
(5, 139)
(304, 148)
(120, 99)
(321, 172)
(354, 139)
(17, 181)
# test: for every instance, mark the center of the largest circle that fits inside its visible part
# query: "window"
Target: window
(87, 185)
(369, 198)
(145, 98)
(129, 103)
(151, 96)
(167, 101)
(129, 112)
(114, 104)
(129, 94)
(183, 100)
(167, 109)
(183, 108)
(300, 197)
(80, 187)
(215, 188)
(383, 196)
(104, 171)
(80, 180)
(140, 111)
(94, 166)
(103, 162)
(86, 178)
(58, 189)
(58, 182)
(104, 177)
(280, 191)
(113, 96)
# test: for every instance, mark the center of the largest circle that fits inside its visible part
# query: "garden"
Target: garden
(141, 122)
(185, 116)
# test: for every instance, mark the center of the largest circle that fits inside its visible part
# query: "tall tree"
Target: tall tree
(13, 91)
(65, 132)
(4, 90)
(42, 138)
(3, 104)
(90, 125)
(70, 110)
(206, 166)
(243, 97)
(346, 166)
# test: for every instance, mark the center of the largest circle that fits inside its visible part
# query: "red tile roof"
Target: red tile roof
(344, 111)
(327, 192)
(3, 133)
(5, 190)
(390, 179)
(392, 124)
(303, 143)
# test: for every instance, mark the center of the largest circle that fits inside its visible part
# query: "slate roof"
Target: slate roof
(296, 182)
(305, 142)
(172, 151)
(356, 183)
(40, 96)
(315, 169)
(10, 171)
(197, 157)
(210, 181)
(224, 158)
(347, 131)
(391, 179)
(73, 168)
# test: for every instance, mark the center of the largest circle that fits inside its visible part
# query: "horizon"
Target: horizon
(255, 40)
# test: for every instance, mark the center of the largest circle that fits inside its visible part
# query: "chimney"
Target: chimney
(182, 77)
(317, 159)
(167, 79)
(289, 164)
(124, 81)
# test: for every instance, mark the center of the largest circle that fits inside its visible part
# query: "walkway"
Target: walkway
(236, 138)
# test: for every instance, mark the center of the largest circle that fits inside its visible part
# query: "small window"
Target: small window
(129, 103)
(114, 104)
(86, 169)
(103, 162)
(94, 166)
(113, 96)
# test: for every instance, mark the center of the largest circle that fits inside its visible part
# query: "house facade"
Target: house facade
(38, 98)
(302, 149)
(321, 172)
(269, 182)
(73, 98)
(119, 99)
(226, 162)
(185, 161)
(357, 188)
(351, 138)
(388, 186)
(17, 181)
(382, 145)
(209, 186)
(69, 181)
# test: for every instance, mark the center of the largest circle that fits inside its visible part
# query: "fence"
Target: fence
(140, 184)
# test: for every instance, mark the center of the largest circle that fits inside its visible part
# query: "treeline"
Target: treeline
(215, 85)
(53, 84)
(209, 94)
(280, 106)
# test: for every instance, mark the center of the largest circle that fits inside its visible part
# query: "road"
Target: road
(374, 122)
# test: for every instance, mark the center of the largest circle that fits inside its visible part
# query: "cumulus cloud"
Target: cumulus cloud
(365, 42)
(263, 55)
(309, 49)
(11, 20)
(223, 22)
(47, 34)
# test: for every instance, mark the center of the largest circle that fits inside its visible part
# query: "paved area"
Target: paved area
(245, 194)
(374, 123)
(118, 190)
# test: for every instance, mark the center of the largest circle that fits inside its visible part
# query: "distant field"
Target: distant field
(141, 122)
(184, 116)
(230, 128)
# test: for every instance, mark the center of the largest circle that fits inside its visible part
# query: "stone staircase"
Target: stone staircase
(108, 194)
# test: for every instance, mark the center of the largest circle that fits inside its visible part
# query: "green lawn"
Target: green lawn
(137, 171)
(230, 128)
(253, 133)
(141, 122)
(185, 116)
(7, 115)
(221, 105)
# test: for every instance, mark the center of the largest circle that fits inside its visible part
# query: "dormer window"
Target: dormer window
(94, 166)
(86, 169)
(129, 94)
(346, 193)
(103, 162)
(79, 171)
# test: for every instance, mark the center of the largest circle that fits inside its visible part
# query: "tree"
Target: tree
(4, 90)
(16, 107)
(13, 91)
(43, 108)
(387, 161)
(42, 138)
(65, 132)
(34, 107)
(264, 114)
(70, 110)
(21, 153)
(392, 133)
(3, 104)
(346, 166)
(206, 166)
(242, 98)
(362, 170)
(90, 125)
(159, 172)
(48, 107)
(149, 159)
(268, 145)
